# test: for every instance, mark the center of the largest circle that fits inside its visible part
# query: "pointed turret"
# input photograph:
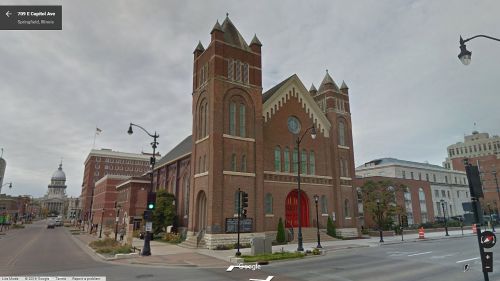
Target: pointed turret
(328, 84)
(313, 90)
(217, 32)
(255, 45)
(232, 35)
(343, 88)
(199, 49)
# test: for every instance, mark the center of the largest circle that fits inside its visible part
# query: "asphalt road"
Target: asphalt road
(39, 251)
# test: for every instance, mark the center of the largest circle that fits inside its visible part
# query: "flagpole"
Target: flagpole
(95, 135)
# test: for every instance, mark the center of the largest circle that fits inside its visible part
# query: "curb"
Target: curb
(424, 240)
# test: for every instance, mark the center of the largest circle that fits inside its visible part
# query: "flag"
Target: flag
(97, 131)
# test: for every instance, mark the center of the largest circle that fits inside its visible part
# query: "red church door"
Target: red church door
(291, 209)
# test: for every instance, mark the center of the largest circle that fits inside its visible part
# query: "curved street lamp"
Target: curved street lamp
(300, 247)
(146, 250)
(465, 55)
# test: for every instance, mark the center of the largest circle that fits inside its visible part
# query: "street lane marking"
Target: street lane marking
(468, 260)
(418, 254)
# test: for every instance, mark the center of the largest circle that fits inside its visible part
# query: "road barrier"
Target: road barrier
(421, 233)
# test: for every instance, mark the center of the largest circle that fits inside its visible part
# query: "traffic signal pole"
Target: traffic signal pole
(238, 253)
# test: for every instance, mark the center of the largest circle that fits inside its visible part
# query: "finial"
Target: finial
(327, 70)
(60, 164)
(227, 15)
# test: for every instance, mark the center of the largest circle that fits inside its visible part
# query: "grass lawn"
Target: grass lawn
(274, 256)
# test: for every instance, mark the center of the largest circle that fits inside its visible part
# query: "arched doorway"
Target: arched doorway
(291, 209)
(201, 219)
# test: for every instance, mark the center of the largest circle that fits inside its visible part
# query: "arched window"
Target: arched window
(205, 123)
(232, 118)
(342, 169)
(200, 124)
(423, 205)
(408, 206)
(242, 121)
(277, 159)
(233, 162)
(243, 163)
(186, 195)
(312, 163)
(324, 205)
(295, 159)
(346, 208)
(342, 133)
(268, 204)
(303, 161)
(286, 160)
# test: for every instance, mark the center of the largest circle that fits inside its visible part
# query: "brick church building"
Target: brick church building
(244, 138)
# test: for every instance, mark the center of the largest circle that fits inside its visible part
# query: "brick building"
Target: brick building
(105, 196)
(100, 163)
(242, 138)
(484, 151)
(131, 199)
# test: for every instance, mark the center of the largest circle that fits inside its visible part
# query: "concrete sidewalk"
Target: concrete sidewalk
(165, 254)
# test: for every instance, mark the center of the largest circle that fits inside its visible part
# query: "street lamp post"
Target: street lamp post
(146, 250)
(444, 216)
(300, 247)
(117, 208)
(316, 199)
(465, 55)
(379, 215)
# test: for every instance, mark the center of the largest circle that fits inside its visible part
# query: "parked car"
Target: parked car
(51, 223)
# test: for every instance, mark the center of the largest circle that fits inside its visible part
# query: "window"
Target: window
(411, 175)
(458, 194)
(446, 179)
(443, 193)
(427, 177)
(233, 162)
(324, 205)
(436, 193)
(205, 168)
(238, 71)
(303, 159)
(423, 206)
(268, 204)
(346, 208)
(434, 177)
(232, 118)
(341, 167)
(244, 163)
(312, 164)
(404, 174)
(230, 70)
(286, 160)
(295, 159)
(277, 159)
(408, 206)
(341, 133)
(245, 73)
(242, 120)
(344, 170)
(449, 194)
(419, 176)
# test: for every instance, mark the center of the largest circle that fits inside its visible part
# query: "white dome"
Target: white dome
(59, 174)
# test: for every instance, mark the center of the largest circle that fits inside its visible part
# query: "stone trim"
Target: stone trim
(201, 174)
(343, 147)
(203, 139)
(238, 138)
(232, 173)
(301, 175)
(302, 183)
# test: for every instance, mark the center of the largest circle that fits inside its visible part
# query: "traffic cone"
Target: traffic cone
(421, 234)
(474, 229)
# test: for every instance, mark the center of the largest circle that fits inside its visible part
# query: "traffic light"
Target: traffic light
(244, 204)
(151, 201)
(148, 215)
(474, 179)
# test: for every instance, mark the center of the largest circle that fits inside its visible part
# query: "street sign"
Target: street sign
(149, 226)
(488, 262)
(488, 239)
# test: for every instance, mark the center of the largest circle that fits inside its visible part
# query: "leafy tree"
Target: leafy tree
(164, 212)
(330, 228)
(280, 236)
(384, 192)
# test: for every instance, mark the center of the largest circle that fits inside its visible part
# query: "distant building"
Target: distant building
(74, 208)
(55, 201)
(448, 185)
(475, 146)
(484, 151)
(104, 209)
(100, 163)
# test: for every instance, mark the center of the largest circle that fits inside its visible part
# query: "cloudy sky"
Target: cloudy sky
(120, 61)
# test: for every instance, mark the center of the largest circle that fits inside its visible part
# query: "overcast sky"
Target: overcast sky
(117, 62)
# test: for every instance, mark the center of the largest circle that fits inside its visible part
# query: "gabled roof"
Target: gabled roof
(343, 86)
(232, 35)
(199, 47)
(255, 40)
(277, 97)
(183, 148)
(217, 27)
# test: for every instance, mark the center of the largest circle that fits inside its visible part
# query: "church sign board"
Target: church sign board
(246, 225)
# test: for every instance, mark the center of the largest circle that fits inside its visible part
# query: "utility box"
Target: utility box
(261, 246)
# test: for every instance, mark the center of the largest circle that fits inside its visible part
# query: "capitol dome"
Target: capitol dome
(59, 174)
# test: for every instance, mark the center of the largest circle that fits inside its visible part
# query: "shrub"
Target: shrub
(316, 251)
(17, 226)
(280, 236)
(330, 228)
